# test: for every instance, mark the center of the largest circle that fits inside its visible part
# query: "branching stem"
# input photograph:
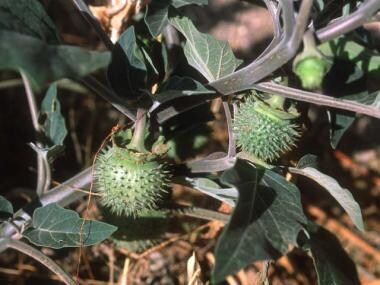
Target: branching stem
(37, 255)
(43, 165)
(318, 99)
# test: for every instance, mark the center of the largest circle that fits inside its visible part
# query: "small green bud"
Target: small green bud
(311, 70)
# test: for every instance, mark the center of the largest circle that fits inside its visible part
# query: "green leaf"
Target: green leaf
(177, 87)
(211, 57)
(308, 160)
(265, 223)
(332, 263)
(43, 63)
(346, 49)
(156, 15)
(340, 120)
(213, 189)
(127, 72)
(54, 123)
(342, 196)
(6, 208)
(56, 227)
(28, 17)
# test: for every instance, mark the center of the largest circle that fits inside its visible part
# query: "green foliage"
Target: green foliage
(127, 72)
(43, 63)
(211, 57)
(56, 227)
(265, 223)
(52, 120)
(346, 49)
(28, 17)
(342, 196)
(156, 15)
(213, 189)
(130, 182)
(331, 262)
(139, 232)
(6, 208)
(177, 87)
(262, 132)
(268, 219)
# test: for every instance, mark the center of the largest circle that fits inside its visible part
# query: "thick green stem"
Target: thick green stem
(138, 140)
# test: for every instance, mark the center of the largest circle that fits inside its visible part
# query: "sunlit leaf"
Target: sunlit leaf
(342, 195)
(211, 57)
(56, 227)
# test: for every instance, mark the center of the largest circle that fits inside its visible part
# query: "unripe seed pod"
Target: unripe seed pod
(130, 182)
(262, 131)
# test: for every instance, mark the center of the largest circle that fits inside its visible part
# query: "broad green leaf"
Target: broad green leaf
(127, 72)
(346, 49)
(213, 189)
(211, 57)
(156, 15)
(310, 160)
(341, 120)
(28, 17)
(43, 63)
(54, 123)
(6, 208)
(332, 263)
(342, 196)
(266, 221)
(177, 87)
(56, 227)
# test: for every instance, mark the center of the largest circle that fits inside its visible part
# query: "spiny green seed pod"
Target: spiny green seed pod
(130, 182)
(311, 70)
(263, 131)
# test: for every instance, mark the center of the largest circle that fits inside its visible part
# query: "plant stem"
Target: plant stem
(346, 24)
(39, 256)
(43, 166)
(318, 99)
(244, 78)
(231, 137)
(138, 140)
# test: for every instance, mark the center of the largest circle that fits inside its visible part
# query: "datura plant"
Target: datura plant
(192, 116)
